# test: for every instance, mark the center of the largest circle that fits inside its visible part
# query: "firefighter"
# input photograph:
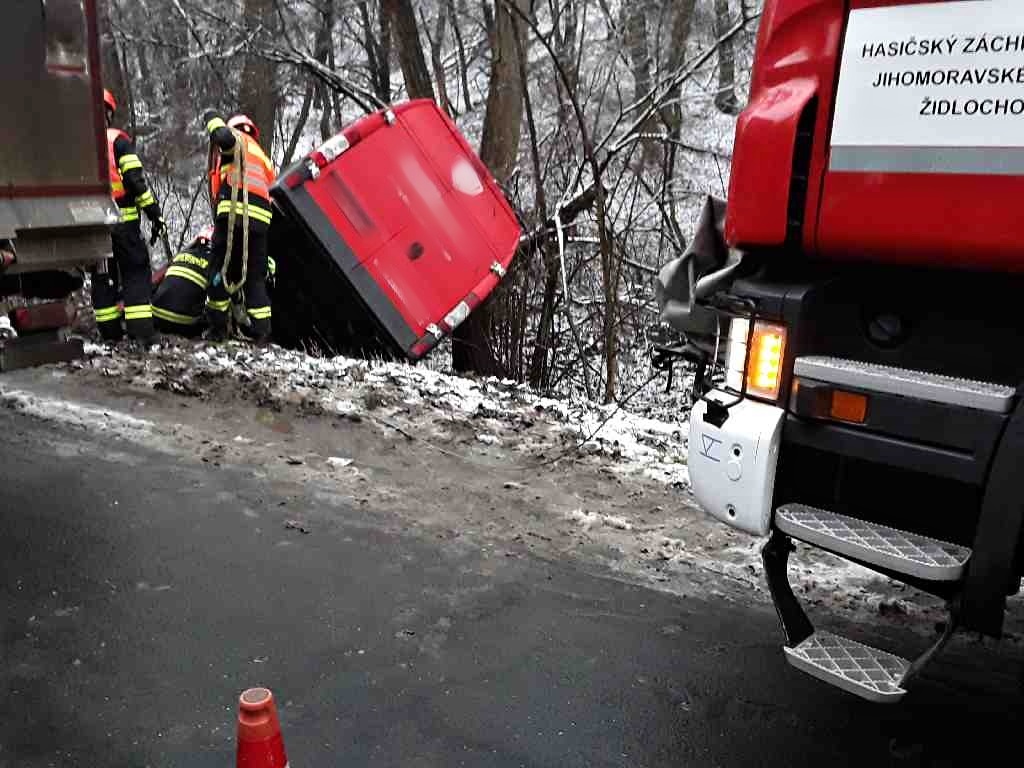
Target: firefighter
(179, 298)
(240, 188)
(128, 273)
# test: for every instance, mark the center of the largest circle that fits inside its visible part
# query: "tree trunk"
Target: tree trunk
(110, 61)
(499, 145)
(436, 48)
(460, 47)
(410, 49)
(384, 56)
(300, 123)
(634, 25)
(682, 21)
(499, 150)
(258, 96)
(725, 98)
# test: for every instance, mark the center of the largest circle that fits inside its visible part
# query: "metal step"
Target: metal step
(899, 551)
(856, 668)
(933, 387)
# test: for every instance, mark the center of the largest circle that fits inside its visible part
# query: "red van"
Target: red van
(393, 233)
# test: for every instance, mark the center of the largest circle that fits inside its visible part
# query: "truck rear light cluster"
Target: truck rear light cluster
(760, 367)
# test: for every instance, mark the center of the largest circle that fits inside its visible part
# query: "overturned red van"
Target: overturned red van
(393, 233)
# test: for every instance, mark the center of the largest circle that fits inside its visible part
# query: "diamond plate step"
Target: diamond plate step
(856, 668)
(886, 379)
(907, 553)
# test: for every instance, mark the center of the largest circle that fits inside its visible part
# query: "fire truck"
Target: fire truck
(55, 206)
(859, 296)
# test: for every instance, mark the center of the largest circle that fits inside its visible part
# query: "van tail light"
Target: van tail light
(461, 311)
(456, 316)
(330, 150)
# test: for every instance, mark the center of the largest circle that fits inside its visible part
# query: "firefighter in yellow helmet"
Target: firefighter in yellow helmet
(240, 189)
(129, 272)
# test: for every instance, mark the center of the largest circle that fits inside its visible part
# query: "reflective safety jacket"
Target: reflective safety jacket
(258, 176)
(180, 297)
(127, 180)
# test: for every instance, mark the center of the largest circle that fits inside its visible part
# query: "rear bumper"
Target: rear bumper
(57, 232)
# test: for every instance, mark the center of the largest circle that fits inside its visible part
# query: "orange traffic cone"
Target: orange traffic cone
(259, 734)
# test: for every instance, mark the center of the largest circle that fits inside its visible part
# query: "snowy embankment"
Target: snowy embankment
(420, 401)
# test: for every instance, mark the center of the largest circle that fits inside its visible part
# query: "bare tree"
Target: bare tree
(634, 24)
(725, 96)
(410, 49)
(682, 21)
(258, 96)
(113, 73)
(499, 151)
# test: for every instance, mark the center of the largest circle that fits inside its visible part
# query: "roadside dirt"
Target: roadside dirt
(512, 476)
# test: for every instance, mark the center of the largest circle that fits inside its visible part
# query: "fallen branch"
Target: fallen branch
(567, 214)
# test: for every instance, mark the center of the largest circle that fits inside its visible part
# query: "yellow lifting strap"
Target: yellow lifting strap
(237, 180)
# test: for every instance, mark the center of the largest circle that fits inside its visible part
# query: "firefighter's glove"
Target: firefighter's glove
(208, 115)
(157, 229)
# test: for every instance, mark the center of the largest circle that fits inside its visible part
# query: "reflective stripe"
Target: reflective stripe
(271, 265)
(259, 171)
(1004, 161)
(106, 314)
(255, 212)
(214, 124)
(259, 313)
(145, 200)
(187, 274)
(174, 317)
(129, 214)
(129, 163)
(138, 312)
(116, 185)
(219, 306)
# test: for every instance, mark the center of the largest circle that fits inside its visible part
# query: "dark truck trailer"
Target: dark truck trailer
(387, 236)
(865, 294)
(55, 205)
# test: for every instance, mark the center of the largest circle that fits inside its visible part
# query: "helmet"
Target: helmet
(243, 123)
(109, 100)
(205, 236)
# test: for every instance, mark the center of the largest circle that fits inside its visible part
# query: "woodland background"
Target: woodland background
(607, 123)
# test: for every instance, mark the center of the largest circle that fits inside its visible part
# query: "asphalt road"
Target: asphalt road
(139, 595)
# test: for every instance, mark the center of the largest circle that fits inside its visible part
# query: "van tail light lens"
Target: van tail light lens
(454, 318)
(330, 150)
